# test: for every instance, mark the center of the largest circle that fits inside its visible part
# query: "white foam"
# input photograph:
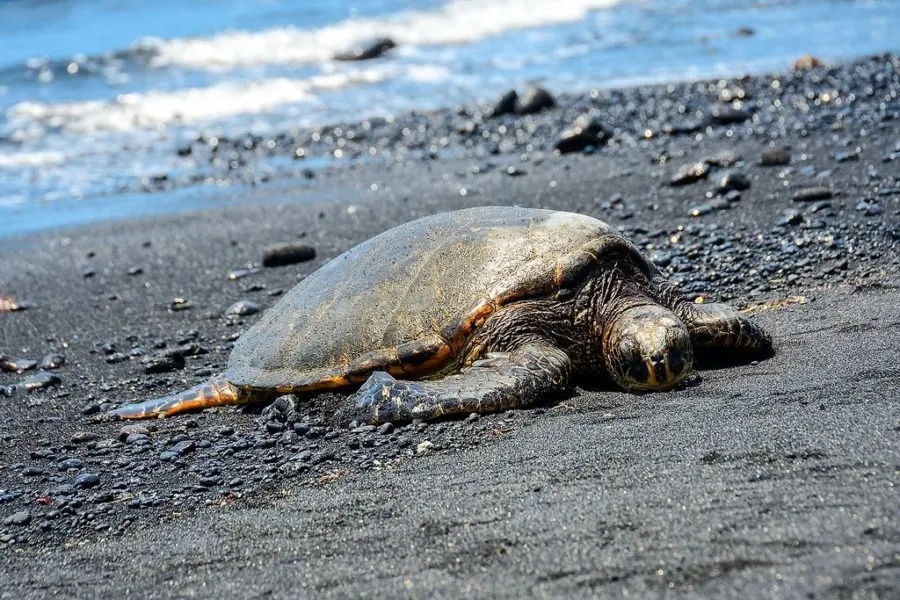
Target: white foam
(153, 109)
(30, 159)
(457, 22)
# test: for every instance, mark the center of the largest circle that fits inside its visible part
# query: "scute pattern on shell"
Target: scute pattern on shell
(425, 280)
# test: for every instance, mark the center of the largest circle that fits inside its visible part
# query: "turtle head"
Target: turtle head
(647, 348)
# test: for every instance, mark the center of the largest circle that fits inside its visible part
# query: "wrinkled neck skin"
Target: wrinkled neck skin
(600, 302)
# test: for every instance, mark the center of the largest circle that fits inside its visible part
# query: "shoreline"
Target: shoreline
(633, 114)
(492, 509)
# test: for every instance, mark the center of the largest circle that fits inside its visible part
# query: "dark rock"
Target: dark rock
(367, 50)
(67, 464)
(386, 428)
(722, 158)
(41, 380)
(775, 157)
(813, 193)
(116, 357)
(585, 131)
(791, 217)
(708, 207)
(183, 447)
(244, 308)
(690, 173)
(847, 156)
(287, 253)
(52, 361)
(81, 437)
(869, 208)
(505, 105)
(225, 431)
(22, 517)
(733, 180)
(11, 364)
(725, 114)
(179, 304)
(137, 439)
(732, 196)
(128, 430)
(534, 100)
(87, 480)
(241, 273)
(164, 362)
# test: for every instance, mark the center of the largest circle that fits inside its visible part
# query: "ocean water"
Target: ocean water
(96, 95)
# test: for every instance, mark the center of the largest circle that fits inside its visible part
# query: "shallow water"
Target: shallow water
(96, 96)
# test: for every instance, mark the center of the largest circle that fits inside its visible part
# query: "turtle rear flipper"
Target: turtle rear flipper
(217, 392)
(502, 381)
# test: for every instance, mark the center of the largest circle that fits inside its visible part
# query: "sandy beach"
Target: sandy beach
(773, 479)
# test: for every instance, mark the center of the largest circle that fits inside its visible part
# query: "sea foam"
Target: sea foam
(153, 109)
(457, 22)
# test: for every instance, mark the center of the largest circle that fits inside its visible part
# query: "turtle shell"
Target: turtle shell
(406, 301)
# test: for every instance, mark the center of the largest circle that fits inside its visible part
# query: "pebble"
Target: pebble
(733, 180)
(127, 430)
(690, 173)
(87, 480)
(367, 50)
(722, 158)
(869, 208)
(585, 131)
(775, 157)
(67, 464)
(137, 439)
(287, 253)
(179, 304)
(515, 171)
(81, 437)
(386, 428)
(135, 271)
(89, 272)
(11, 364)
(813, 193)
(241, 273)
(423, 447)
(534, 100)
(52, 361)
(244, 308)
(41, 380)
(505, 105)
(164, 362)
(847, 156)
(22, 517)
(725, 114)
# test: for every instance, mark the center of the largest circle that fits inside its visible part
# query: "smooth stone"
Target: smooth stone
(367, 50)
(585, 131)
(689, 173)
(534, 100)
(287, 253)
(811, 194)
(775, 157)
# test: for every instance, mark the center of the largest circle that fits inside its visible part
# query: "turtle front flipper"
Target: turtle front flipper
(719, 326)
(714, 325)
(502, 381)
(217, 392)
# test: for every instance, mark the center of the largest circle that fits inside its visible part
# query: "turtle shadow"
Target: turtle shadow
(716, 359)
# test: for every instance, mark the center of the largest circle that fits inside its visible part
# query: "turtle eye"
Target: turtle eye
(637, 371)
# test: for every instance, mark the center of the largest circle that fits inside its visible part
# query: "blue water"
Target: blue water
(96, 95)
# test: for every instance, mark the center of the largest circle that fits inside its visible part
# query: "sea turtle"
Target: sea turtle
(477, 310)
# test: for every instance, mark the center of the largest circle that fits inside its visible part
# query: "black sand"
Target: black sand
(770, 480)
